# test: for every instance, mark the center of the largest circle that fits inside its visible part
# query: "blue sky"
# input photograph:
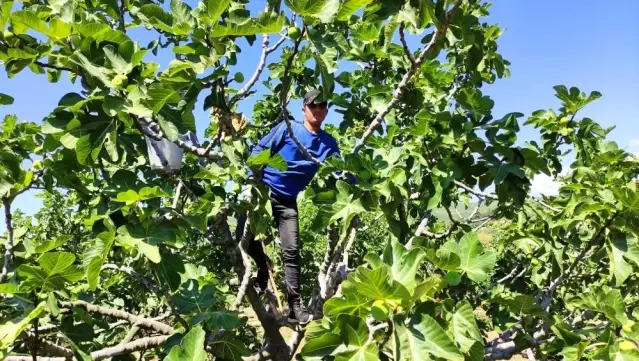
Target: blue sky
(585, 43)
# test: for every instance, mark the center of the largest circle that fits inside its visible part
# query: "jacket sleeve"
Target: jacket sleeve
(273, 140)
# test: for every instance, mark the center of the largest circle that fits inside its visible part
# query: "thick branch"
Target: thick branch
(275, 342)
(505, 350)
(8, 252)
(109, 352)
(133, 319)
(48, 346)
(427, 51)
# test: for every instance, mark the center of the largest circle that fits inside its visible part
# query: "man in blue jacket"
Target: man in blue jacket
(284, 188)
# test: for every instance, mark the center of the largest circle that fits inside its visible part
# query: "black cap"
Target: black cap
(311, 95)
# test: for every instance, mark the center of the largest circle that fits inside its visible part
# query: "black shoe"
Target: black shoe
(299, 314)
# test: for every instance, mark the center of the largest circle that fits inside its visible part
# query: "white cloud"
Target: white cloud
(544, 185)
(634, 142)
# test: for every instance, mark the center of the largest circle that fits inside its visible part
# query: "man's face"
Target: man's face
(315, 113)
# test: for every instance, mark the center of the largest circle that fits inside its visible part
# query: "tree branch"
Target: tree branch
(284, 100)
(544, 298)
(48, 346)
(504, 350)
(109, 352)
(260, 66)
(136, 275)
(51, 66)
(8, 252)
(153, 131)
(427, 51)
(133, 319)
(275, 342)
(479, 194)
(494, 283)
(248, 268)
(410, 56)
(122, 9)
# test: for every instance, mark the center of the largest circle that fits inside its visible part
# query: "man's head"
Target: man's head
(315, 110)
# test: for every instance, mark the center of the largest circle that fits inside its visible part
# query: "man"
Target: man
(284, 188)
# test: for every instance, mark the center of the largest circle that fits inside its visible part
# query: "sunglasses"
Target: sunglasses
(318, 105)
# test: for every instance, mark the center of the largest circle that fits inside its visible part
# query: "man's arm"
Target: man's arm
(273, 140)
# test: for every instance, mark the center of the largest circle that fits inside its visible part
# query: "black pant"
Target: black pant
(285, 214)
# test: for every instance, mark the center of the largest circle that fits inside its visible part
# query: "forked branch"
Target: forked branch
(427, 51)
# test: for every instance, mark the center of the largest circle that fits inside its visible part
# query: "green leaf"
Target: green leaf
(5, 12)
(93, 271)
(11, 330)
(225, 320)
(352, 304)
(265, 23)
(169, 270)
(404, 263)
(321, 9)
(159, 95)
(354, 330)
(322, 346)
(97, 72)
(191, 347)
(8, 288)
(435, 199)
(278, 163)
(25, 19)
(83, 148)
(125, 239)
(170, 130)
(229, 348)
(118, 63)
(619, 268)
(191, 298)
(444, 259)
(5, 99)
(366, 353)
(56, 262)
(375, 284)
(215, 8)
(46, 246)
(420, 339)
(181, 12)
(464, 327)
(259, 159)
(475, 264)
(350, 7)
(504, 169)
(78, 332)
(523, 305)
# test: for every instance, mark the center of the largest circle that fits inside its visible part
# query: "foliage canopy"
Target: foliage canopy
(134, 254)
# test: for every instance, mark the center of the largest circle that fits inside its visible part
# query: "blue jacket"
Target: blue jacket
(300, 171)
